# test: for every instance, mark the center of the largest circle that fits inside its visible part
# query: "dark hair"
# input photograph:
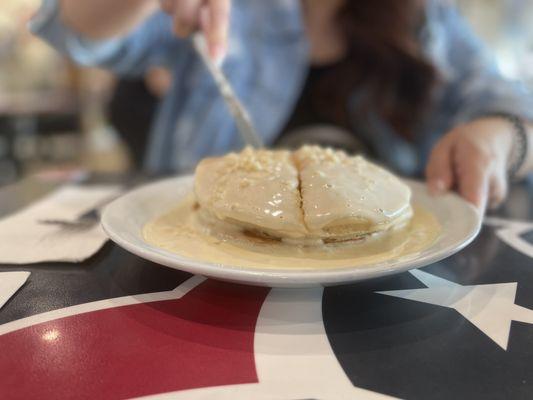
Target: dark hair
(385, 59)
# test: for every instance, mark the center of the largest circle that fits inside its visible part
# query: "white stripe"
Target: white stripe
(512, 236)
(510, 231)
(177, 293)
(293, 357)
(498, 222)
(245, 391)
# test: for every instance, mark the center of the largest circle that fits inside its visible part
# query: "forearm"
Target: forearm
(100, 19)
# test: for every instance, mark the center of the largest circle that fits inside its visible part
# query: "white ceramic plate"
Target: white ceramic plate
(124, 218)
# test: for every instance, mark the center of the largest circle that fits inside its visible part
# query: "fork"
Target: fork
(244, 123)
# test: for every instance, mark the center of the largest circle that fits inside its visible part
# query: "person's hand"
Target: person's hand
(210, 16)
(473, 158)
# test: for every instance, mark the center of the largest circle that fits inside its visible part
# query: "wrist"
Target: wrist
(514, 141)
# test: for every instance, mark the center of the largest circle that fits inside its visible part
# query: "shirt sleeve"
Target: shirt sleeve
(474, 84)
(152, 43)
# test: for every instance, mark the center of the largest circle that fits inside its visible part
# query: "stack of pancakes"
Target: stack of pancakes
(310, 196)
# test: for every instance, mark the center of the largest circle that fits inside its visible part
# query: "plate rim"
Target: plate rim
(274, 277)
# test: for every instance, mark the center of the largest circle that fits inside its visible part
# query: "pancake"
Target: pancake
(255, 190)
(345, 198)
(309, 197)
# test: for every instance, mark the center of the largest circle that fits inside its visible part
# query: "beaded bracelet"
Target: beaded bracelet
(520, 142)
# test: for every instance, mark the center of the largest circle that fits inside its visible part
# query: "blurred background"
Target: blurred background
(56, 116)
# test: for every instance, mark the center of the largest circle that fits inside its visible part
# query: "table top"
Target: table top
(117, 326)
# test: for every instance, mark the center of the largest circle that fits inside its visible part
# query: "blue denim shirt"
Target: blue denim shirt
(267, 63)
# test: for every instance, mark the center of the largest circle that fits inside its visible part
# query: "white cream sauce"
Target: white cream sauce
(180, 231)
(338, 190)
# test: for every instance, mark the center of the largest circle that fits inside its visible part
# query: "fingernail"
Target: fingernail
(437, 186)
(218, 52)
